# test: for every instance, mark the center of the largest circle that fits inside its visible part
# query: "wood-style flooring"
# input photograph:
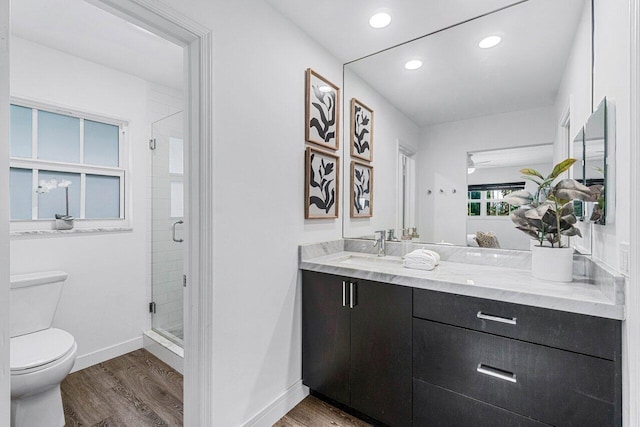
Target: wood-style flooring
(136, 389)
(313, 412)
(139, 390)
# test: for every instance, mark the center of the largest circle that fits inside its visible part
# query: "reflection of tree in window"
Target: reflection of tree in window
(487, 199)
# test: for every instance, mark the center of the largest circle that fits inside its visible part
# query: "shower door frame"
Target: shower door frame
(197, 42)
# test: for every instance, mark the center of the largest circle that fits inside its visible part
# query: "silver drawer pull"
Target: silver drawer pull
(344, 293)
(509, 320)
(497, 373)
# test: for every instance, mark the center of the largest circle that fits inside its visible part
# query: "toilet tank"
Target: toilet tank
(34, 300)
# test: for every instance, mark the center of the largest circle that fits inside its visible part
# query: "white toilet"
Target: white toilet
(41, 356)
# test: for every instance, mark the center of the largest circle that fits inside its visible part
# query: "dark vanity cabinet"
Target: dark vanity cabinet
(356, 339)
(407, 356)
(500, 364)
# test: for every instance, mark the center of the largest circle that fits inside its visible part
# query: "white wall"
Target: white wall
(390, 128)
(5, 377)
(443, 156)
(104, 303)
(259, 60)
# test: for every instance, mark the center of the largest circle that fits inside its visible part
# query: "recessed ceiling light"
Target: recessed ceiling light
(414, 64)
(380, 20)
(490, 41)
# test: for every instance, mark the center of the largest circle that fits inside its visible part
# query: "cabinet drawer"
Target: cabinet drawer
(437, 407)
(574, 332)
(554, 386)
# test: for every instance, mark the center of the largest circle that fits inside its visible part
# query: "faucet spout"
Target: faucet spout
(380, 234)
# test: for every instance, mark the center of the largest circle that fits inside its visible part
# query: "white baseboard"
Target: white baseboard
(279, 407)
(102, 355)
(165, 350)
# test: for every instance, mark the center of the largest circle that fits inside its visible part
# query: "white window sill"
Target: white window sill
(52, 233)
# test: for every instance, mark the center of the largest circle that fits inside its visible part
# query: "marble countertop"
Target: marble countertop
(500, 283)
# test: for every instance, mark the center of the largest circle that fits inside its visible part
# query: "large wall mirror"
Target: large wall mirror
(451, 135)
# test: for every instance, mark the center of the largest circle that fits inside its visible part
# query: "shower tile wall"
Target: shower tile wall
(166, 266)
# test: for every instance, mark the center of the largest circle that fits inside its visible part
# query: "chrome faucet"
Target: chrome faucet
(380, 242)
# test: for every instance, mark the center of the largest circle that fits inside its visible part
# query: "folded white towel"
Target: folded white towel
(431, 253)
(420, 260)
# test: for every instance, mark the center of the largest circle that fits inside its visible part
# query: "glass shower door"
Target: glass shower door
(167, 230)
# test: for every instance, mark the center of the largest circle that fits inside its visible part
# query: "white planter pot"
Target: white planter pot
(554, 264)
(64, 224)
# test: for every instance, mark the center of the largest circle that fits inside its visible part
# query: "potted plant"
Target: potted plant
(548, 215)
(63, 222)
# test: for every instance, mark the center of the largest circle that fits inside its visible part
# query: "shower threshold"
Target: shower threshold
(164, 349)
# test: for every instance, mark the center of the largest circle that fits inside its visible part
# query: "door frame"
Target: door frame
(631, 349)
(199, 197)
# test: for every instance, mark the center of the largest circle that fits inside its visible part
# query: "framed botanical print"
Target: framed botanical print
(361, 131)
(322, 183)
(322, 111)
(361, 190)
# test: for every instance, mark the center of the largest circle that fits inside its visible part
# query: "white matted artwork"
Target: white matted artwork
(361, 190)
(322, 111)
(322, 179)
(361, 131)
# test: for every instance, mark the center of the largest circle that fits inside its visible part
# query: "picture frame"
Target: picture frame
(361, 190)
(322, 184)
(361, 131)
(322, 111)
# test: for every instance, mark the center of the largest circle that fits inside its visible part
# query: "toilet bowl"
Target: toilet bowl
(41, 356)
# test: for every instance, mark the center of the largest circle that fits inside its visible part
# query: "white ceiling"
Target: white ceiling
(342, 26)
(81, 29)
(458, 80)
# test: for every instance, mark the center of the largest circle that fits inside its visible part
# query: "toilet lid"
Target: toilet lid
(39, 348)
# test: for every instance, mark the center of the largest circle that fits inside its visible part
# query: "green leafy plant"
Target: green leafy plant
(548, 214)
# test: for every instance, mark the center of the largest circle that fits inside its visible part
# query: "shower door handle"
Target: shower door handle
(173, 227)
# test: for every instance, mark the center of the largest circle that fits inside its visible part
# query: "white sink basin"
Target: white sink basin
(366, 260)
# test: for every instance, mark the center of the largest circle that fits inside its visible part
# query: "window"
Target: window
(82, 152)
(487, 200)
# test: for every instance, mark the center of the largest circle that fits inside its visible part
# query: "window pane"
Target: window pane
(21, 192)
(474, 194)
(102, 200)
(58, 137)
(54, 202)
(176, 156)
(177, 200)
(101, 144)
(21, 119)
(473, 209)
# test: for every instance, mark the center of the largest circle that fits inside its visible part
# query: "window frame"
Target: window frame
(35, 165)
(484, 200)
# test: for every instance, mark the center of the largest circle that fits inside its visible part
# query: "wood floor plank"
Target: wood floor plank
(123, 392)
(313, 412)
(134, 376)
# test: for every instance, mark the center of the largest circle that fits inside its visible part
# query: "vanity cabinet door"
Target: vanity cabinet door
(326, 336)
(381, 357)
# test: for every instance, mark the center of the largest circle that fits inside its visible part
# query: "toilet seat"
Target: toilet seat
(35, 351)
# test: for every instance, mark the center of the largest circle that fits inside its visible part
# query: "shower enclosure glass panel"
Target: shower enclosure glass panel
(167, 234)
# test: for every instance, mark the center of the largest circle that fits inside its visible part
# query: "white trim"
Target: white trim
(199, 182)
(5, 374)
(165, 350)
(631, 340)
(106, 353)
(279, 407)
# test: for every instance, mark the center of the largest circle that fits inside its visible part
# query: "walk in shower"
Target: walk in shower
(167, 229)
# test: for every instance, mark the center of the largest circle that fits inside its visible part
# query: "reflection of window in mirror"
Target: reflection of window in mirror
(406, 212)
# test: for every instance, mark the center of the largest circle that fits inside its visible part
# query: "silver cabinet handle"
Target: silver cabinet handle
(344, 293)
(497, 373)
(173, 227)
(509, 320)
(352, 294)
